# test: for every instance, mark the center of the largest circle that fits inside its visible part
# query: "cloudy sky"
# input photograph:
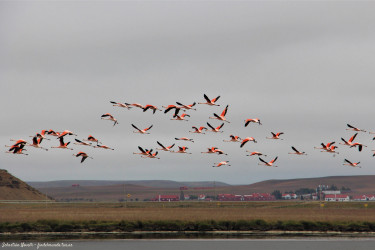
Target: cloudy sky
(304, 68)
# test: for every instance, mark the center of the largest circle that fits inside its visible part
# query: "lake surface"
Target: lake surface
(198, 244)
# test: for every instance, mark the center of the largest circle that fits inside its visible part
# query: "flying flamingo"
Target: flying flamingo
(108, 116)
(244, 141)
(143, 151)
(170, 107)
(42, 134)
(18, 143)
(221, 117)
(221, 164)
(360, 145)
(198, 130)
(53, 133)
(187, 107)
(296, 152)
(180, 117)
(83, 154)
(62, 144)
(36, 143)
(103, 146)
(255, 153)
(184, 139)
(143, 131)
(121, 105)
(354, 128)
(78, 142)
(152, 156)
(210, 102)
(152, 107)
(164, 148)
(233, 138)
(350, 141)
(17, 149)
(214, 150)
(331, 149)
(137, 105)
(181, 150)
(92, 139)
(275, 136)
(270, 163)
(64, 133)
(325, 146)
(352, 164)
(216, 130)
(256, 120)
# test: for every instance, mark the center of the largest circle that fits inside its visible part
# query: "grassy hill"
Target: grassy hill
(12, 188)
(140, 190)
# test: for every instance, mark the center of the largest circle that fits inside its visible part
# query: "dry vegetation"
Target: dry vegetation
(189, 211)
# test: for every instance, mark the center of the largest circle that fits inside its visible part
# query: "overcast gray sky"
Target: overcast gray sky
(304, 68)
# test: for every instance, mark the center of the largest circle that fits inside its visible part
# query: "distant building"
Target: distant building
(286, 197)
(336, 197)
(75, 185)
(246, 197)
(331, 192)
(364, 197)
(167, 198)
(201, 197)
(186, 197)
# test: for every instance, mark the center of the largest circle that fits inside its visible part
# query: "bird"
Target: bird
(296, 152)
(36, 143)
(17, 149)
(103, 146)
(121, 105)
(210, 102)
(83, 154)
(350, 141)
(164, 148)
(18, 143)
(233, 138)
(143, 131)
(325, 146)
(255, 120)
(53, 133)
(187, 107)
(352, 164)
(170, 107)
(137, 105)
(216, 130)
(63, 145)
(360, 145)
(214, 150)
(255, 153)
(152, 156)
(78, 142)
(270, 163)
(180, 117)
(108, 116)
(152, 107)
(221, 164)
(331, 149)
(42, 134)
(92, 139)
(198, 130)
(181, 150)
(244, 141)
(143, 151)
(184, 139)
(275, 136)
(354, 128)
(64, 133)
(221, 117)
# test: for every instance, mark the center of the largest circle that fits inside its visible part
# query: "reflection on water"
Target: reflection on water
(205, 244)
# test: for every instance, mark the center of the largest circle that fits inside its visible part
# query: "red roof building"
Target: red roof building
(336, 197)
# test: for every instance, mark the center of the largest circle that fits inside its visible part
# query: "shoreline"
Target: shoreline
(183, 235)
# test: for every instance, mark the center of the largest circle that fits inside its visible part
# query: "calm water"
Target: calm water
(219, 244)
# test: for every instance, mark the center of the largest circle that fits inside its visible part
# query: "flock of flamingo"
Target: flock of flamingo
(18, 147)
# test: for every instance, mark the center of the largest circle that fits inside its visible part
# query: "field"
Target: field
(188, 211)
